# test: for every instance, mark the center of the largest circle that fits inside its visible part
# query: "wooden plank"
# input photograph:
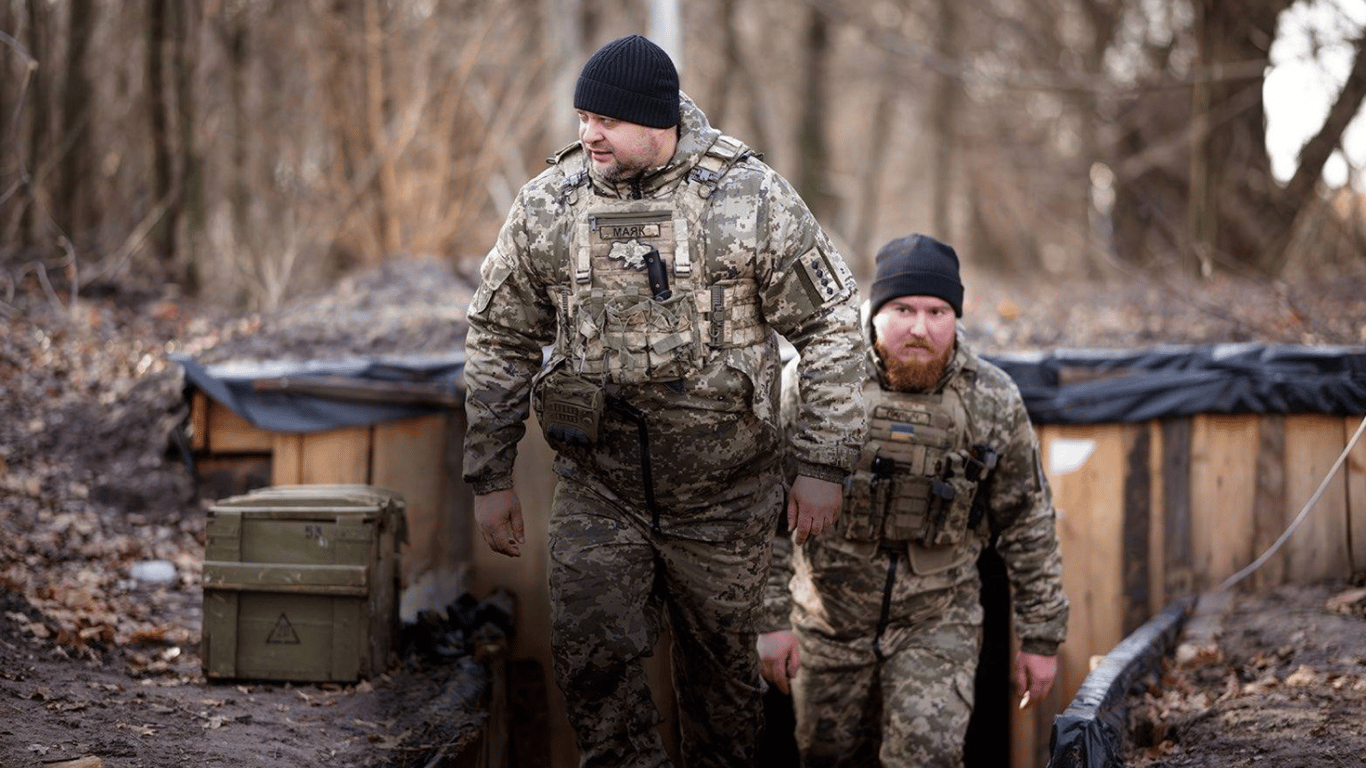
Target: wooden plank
(410, 458)
(336, 456)
(1356, 492)
(1090, 503)
(1223, 488)
(1269, 507)
(1318, 548)
(199, 421)
(1177, 546)
(286, 459)
(1157, 520)
(1137, 526)
(229, 433)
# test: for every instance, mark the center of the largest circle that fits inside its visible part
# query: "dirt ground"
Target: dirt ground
(1284, 684)
(97, 665)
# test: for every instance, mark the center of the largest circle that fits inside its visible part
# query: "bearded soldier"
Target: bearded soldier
(879, 626)
(660, 258)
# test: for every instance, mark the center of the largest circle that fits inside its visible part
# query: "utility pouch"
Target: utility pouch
(952, 495)
(866, 499)
(572, 407)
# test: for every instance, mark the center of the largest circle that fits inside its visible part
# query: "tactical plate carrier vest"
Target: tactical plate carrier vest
(916, 482)
(641, 305)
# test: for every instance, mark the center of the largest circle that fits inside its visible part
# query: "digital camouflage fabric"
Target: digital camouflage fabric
(686, 537)
(920, 648)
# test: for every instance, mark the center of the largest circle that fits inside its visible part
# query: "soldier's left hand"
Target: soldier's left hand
(812, 507)
(1034, 676)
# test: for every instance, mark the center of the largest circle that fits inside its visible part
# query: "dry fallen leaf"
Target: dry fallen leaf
(1302, 677)
(88, 761)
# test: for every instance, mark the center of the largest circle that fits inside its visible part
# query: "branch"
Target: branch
(1315, 153)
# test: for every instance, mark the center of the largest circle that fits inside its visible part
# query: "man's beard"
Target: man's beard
(905, 376)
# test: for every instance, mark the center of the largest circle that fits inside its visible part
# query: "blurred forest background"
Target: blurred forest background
(247, 151)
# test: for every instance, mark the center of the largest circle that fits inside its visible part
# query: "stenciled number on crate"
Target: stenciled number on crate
(283, 632)
(315, 532)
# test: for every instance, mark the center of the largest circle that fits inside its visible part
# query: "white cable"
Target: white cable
(1240, 575)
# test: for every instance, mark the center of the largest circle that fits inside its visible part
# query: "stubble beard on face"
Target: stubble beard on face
(619, 171)
(912, 376)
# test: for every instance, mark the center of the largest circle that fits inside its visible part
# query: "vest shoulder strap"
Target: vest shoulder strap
(720, 157)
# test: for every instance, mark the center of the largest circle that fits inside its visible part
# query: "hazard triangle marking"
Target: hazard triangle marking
(283, 633)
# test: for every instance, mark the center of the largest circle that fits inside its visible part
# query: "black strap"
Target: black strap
(886, 617)
(637, 416)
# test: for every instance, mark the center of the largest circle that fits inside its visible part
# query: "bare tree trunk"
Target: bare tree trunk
(566, 21)
(162, 235)
(39, 124)
(1103, 19)
(811, 147)
(191, 179)
(719, 97)
(944, 120)
(239, 196)
(376, 112)
(77, 111)
(1202, 204)
(1239, 214)
(870, 198)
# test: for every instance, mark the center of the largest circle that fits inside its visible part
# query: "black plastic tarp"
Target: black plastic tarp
(1061, 387)
(1091, 732)
(237, 387)
(1091, 386)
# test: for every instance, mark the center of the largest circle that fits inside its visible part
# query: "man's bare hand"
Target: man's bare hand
(1034, 676)
(812, 507)
(779, 657)
(499, 515)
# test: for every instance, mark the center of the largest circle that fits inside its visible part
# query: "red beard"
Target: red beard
(913, 376)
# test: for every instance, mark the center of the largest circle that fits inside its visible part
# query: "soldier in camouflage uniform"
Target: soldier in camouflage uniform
(879, 627)
(660, 258)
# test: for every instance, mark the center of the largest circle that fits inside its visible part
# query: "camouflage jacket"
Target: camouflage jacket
(803, 591)
(754, 228)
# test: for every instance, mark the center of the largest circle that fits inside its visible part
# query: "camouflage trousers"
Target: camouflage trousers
(613, 582)
(909, 709)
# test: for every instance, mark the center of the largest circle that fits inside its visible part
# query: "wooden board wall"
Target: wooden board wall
(1221, 489)
(1356, 491)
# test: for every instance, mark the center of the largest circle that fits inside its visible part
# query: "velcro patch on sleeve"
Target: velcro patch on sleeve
(824, 282)
(497, 273)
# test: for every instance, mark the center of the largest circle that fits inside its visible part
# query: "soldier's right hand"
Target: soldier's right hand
(499, 515)
(779, 657)
(813, 505)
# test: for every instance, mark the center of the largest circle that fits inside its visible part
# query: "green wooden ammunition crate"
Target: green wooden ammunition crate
(301, 583)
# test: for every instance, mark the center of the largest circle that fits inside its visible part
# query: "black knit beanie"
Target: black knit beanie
(630, 79)
(917, 265)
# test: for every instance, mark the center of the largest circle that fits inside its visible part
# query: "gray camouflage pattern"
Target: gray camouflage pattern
(699, 558)
(830, 593)
(910, 710)
(604, 567)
